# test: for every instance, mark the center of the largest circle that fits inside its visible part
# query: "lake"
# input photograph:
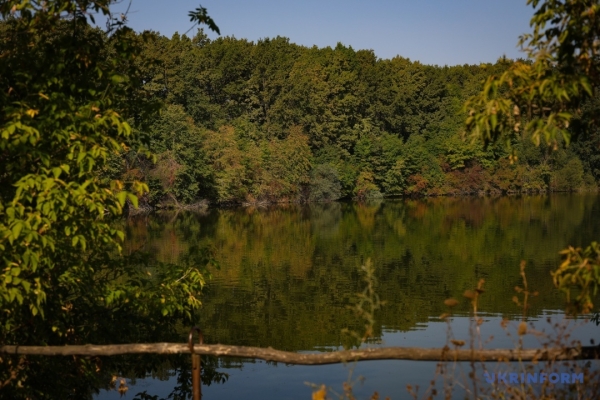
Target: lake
(288, 278)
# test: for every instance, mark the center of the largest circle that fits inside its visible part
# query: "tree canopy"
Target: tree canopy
(378, 127)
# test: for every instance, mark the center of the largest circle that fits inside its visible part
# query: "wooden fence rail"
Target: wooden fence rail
(335, 357)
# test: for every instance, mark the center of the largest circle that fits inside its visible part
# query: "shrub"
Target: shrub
(324, 183)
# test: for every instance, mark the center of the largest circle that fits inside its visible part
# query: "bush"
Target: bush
(569, 178)
(324, 183)
(366, 187)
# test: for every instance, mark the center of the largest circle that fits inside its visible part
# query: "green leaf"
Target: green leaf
(133, 198)
(200, 16)
(121, 197)
(586, 86)
(16, 229)
(81, 156)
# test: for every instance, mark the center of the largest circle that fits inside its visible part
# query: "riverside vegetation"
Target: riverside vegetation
(81, 140)
(271, 121)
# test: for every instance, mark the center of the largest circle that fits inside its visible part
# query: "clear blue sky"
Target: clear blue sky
(442, 32)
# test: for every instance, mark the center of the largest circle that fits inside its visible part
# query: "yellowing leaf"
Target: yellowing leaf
(451, 302)
(522, 328)
(320, 394)
(469, 294)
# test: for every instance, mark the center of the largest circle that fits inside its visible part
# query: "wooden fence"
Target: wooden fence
(334, 357)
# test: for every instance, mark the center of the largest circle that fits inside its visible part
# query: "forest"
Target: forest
(272, 121)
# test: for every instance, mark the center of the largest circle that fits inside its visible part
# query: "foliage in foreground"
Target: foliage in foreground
(69, 95)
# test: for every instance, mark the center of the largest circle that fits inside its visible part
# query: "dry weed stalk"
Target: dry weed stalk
(367, 305)
(476, 384)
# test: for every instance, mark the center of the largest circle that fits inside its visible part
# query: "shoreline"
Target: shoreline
(204, 205)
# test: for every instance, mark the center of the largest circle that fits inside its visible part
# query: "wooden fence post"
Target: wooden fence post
(196, 364)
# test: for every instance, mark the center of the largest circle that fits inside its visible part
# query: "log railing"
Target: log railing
(334, 357)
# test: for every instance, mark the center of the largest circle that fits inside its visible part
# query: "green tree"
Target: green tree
(63, 112)
(67, 93)
(288, 165)
(181, 167)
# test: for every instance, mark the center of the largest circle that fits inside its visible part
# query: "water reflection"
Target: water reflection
(289, 274)
(251, 379)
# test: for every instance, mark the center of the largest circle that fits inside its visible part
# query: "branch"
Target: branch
(336, 357)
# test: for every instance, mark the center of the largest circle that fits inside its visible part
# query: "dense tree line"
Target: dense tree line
(272, 121)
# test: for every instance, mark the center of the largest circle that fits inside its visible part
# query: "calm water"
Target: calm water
(288, 277)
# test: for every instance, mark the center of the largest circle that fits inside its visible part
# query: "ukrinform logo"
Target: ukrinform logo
(511, 378)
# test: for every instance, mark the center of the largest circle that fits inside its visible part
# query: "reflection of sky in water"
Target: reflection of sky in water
(287, 275)
(259, 380)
